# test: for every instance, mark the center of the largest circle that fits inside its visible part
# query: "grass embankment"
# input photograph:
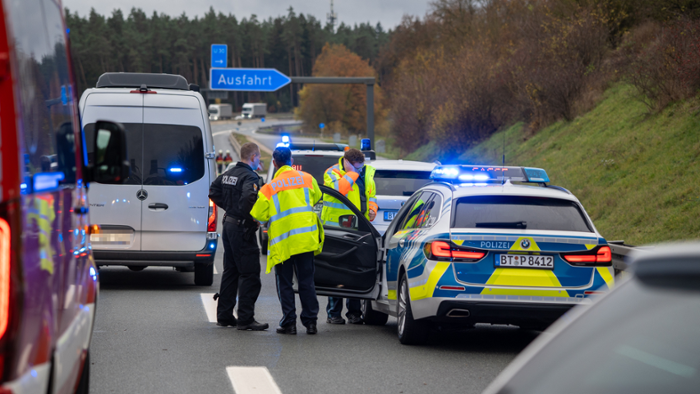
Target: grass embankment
(637, 174)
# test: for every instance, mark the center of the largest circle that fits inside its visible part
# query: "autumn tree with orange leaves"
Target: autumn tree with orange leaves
(342, 108)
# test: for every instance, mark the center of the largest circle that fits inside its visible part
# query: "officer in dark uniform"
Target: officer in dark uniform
(236, 191)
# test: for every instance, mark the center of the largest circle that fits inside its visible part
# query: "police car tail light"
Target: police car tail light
(598, 256)
(211, 225)
(441, 250)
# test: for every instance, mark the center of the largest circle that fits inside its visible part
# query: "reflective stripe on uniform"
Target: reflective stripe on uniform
(291, 211)
(295, 231)
(335, 205)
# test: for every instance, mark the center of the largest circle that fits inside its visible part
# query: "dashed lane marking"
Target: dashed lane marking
(215, 271)
(249, 380)
(210, 307)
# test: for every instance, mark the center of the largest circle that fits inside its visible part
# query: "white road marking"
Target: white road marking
(222, 132)
(209, 306)
(249, 380)
(215, 271)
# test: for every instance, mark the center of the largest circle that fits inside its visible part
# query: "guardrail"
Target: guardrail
(619, 254)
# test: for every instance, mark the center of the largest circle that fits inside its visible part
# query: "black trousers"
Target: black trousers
(241, 275)
(303, 264)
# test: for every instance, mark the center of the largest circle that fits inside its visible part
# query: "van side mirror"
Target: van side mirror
(110, 163)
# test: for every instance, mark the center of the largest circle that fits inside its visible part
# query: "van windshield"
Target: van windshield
(160, 154)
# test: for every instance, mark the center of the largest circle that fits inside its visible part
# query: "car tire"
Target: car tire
(372, 317)
(410, 331)
(204, 274)
(84, 382)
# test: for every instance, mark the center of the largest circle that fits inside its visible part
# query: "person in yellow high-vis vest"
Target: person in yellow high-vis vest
(295, 237)
(354, 180)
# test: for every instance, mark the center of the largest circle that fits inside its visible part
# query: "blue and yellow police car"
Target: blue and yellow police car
(479, 244)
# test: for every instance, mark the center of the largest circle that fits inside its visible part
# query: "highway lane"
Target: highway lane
(152, 334)
(248, 127)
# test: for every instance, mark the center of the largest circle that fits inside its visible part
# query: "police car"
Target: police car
(396, 181)
(477, 245)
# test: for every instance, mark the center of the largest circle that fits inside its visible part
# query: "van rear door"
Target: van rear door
(176, 174)
(116, 208)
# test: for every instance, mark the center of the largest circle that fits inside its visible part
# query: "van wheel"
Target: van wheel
(372, 317)
(204, 274)
(411, 332)
(84, 383)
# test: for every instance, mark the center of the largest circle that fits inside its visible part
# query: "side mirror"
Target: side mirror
(348, 221)
(110, 161)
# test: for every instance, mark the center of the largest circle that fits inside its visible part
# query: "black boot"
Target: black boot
(290, 330)
(254, 326)
(311, 329)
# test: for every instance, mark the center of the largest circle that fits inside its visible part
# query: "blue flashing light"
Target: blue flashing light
(365, 144)
(212, 245)
(285, 139)
(93, 273)
(175, 169)
(536, 175)
(34, 373)
(321, 125)
(44, 181)
(262, 120)
(474, 175)
(445, 172)
(281, 145)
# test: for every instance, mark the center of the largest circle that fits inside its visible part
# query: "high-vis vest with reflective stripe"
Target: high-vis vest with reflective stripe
(287, 203)
(345, 182)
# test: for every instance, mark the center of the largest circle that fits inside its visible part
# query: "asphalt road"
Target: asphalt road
(152, 334)
(221, 131)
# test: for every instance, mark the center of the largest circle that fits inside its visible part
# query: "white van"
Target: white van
(161, 216)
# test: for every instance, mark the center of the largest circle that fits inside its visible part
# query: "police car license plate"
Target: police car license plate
(389, 215)
(525, 261)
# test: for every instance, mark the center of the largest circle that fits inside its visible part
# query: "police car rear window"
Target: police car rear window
(315, 165)
(400, 183)
(519, 213)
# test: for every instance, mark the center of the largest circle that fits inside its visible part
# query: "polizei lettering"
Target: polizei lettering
(496, 244)
(287, 182)
(229, 180)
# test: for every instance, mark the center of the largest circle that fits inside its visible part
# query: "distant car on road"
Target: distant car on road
(48, 278)
(396, 182)
(642, 337)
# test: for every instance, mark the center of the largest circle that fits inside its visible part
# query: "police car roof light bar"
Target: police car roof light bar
(482, 174)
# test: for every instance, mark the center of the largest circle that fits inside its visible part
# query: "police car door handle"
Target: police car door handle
(158, 205)
(402, 242)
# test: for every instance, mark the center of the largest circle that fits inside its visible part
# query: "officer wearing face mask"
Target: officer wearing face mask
(236, 191)
(353, 179)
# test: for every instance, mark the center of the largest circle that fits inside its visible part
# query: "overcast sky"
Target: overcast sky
(388, 12)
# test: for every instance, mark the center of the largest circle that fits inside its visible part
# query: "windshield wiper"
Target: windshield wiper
(517, 225)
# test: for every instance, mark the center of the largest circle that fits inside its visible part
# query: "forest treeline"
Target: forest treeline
(159, 43)
(471, 67)
(448, 79)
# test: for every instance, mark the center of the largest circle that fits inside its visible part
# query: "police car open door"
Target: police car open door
(348, 265)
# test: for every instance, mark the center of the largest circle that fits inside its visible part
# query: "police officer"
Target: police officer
(220, 162)
(295, 236)
(353, 179)
(228, 159)
(236, 191)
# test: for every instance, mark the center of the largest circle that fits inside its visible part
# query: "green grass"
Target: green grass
(637, 174)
